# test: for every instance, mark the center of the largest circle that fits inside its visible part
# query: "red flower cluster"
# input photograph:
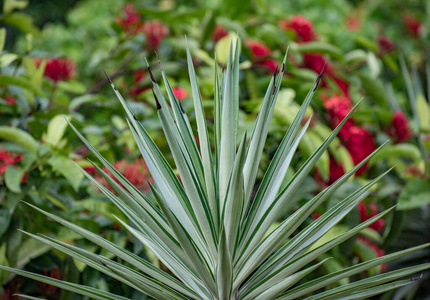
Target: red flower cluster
(356, 139)
(353, 23)
(58, 69)
(313, 61)
(412, 24)
(385, 45)
(179, 93)
(131, 22)
(136, 173)
(399, 128)
(155, 32)
(368, 211)
(10, 100)
(261, 54)
(130, 19)
(8, 158)
(302, 28)
(219, 32)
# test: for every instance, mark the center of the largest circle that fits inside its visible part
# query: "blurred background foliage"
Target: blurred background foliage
(53, 54)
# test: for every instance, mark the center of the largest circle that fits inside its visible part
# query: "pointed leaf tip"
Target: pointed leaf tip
(108, 78)
(156, 100)
(151, 75)
(159, 62)
(319, 77)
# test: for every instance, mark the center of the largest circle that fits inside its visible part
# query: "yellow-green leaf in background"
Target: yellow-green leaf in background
(7, 59)
(35, 73)
(20, 137)
(55, 131)
(3, 262)
(2, 38)
(423, 110)
(21, 21)
(223, 45)
(10, 5)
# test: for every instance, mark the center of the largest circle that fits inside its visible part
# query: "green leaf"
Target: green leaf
(11, 5)
(224, 269)
(143, 265)
(56, 128)
(320, 47)
(325, 280)
(77, 102)
(13, 178)
(409, 151)
(7, 59)
(20, 137)
(222, 46)
(67, 168)
(21, 21)
(3, 262)
(368, 283)
(415, 194)
(21, 82)
(72, 86)
(2, 39)
(73, 287)
(423, 110)
(35, 72)
(28, 297)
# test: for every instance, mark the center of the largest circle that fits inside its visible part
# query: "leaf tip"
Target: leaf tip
(151, 75)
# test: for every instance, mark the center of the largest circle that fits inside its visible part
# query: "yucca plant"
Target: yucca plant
(208, 228)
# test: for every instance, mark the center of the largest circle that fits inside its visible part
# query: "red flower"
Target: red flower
(90, 170)
(130, 19)
(8, 158)
(136, 173)
(353, 23)
(260, 54)
(369, 211)
(338, 107)
(179, 93)
(413, 25)
(356, 139)
(259, 49)
(385, 45)
(10, 100)
(360, 144)
(270, 64)
(219, 32)
(336, 170)
(58, 69)
(155, 32)
(302, 27)
(399, 128)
